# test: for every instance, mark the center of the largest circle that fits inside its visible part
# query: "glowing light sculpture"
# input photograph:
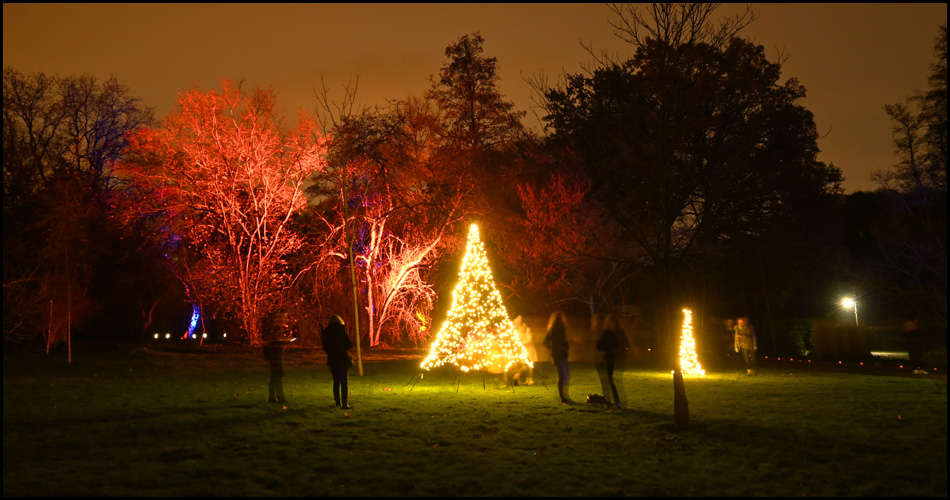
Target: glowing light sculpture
(689, 362)
(477, 333)
(195, 314)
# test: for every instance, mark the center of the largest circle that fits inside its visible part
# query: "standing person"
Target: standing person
(597, 333)
(725, 344)
(614, 344)
(336, 343)
(274, 354)
(556, 341)
(527, 339)
(276, 325)
(746, 344)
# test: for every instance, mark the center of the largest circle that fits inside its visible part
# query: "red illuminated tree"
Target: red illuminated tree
(401, 200)
(566, 243)
(229, 176)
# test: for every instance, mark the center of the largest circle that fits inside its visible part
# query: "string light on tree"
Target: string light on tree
(477, 333)
(689, 362)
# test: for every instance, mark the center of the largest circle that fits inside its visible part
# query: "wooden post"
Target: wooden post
(349, 248)
(680, 405)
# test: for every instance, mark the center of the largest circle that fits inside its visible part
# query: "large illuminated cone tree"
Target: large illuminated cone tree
(477, 333)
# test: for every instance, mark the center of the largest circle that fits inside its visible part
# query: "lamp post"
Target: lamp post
(850, 303)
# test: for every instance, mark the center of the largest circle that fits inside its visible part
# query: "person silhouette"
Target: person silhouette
(614, 344)
(556, 341)
(336, 343)
(746, 344)
(274, 354)
(527, 339)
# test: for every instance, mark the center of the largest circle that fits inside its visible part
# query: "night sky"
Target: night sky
(852, 58)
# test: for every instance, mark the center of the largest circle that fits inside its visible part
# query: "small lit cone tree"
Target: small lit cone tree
(477, 334)
(688, 365)
(689, 362)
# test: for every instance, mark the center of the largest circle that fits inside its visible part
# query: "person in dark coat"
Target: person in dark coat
(556, 341)
(613, 343)
(336, 343)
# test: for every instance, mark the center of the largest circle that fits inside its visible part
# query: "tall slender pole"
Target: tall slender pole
(349, 248)
(69, 311)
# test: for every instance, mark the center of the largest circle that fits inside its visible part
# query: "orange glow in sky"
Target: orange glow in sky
(852, 58)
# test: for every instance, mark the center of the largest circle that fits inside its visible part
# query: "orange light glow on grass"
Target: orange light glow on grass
(689, 362)
(477, 334)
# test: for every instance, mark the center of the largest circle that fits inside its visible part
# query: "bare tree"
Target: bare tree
(920, 133)
(676, 24)
(399, 202)
(62, 137)
(910, 172)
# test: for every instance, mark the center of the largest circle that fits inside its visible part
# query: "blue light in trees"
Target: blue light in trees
(196, 313)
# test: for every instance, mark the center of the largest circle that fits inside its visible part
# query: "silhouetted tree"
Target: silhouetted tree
(475, 116)
(920, 132)
(479, 128)
(906, 255)
(62, 137)
(690, 143)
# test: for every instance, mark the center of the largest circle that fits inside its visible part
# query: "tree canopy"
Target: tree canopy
(688, 146)
(228, 176)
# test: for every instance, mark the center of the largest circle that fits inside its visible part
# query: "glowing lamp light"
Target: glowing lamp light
(156, 336)
(689, 362)
(849, 303)
(168, 335)
(477, 333)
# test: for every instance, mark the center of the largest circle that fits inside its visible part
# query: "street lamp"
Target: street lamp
(850, 303)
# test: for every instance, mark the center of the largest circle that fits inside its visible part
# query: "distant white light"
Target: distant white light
(849, 303)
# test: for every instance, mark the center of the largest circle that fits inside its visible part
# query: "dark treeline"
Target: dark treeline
(686, 175)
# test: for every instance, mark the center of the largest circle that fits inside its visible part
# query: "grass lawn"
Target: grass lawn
(146, 422)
